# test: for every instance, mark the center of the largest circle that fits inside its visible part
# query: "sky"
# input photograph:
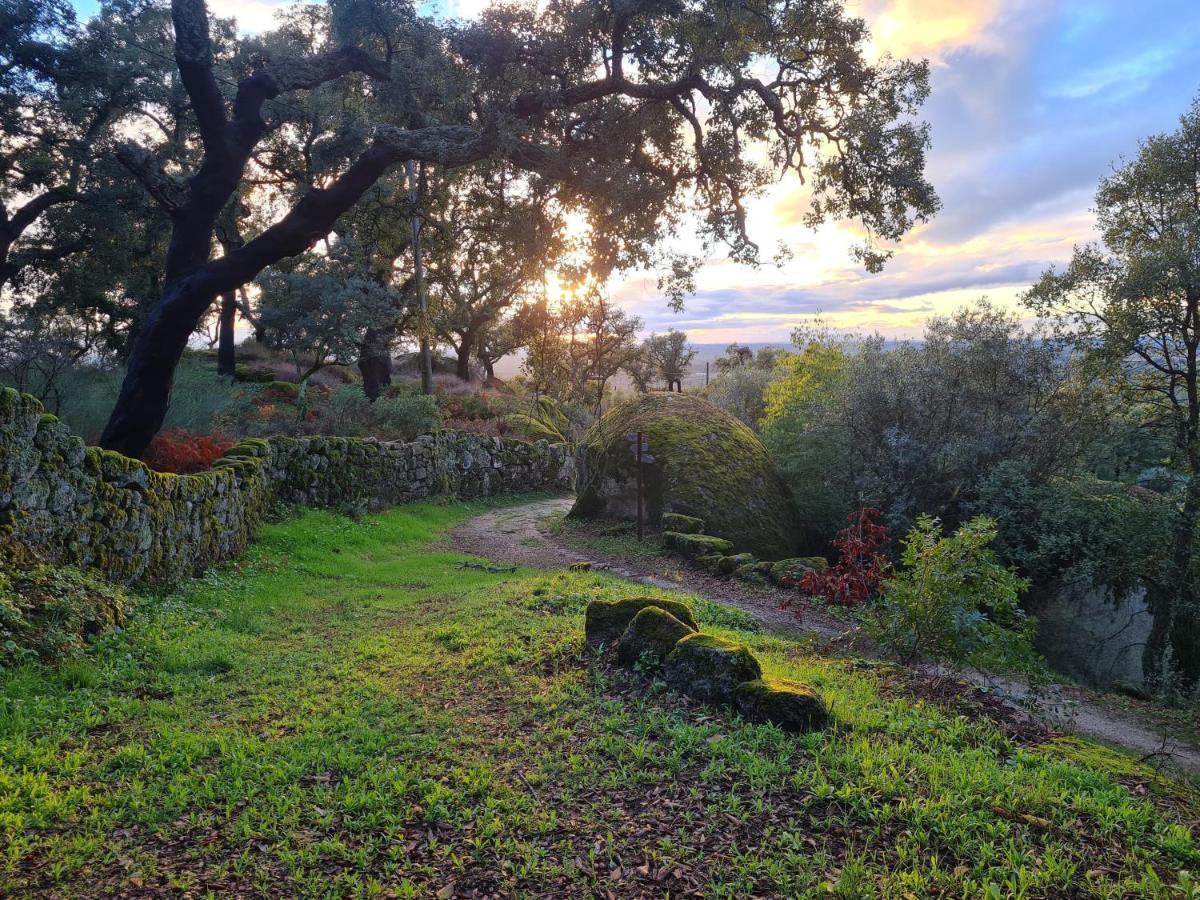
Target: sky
(1032, 102)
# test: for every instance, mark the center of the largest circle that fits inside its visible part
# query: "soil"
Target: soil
(517, 534)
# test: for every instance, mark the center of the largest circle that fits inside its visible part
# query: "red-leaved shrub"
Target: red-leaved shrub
(178, 450)
(860, 569)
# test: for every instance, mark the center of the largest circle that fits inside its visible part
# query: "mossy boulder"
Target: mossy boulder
(682, 524)
(707, 465)
(281, 390)
(651, 635)
(788, 572)
(727, 565)
(709, 668)
(606, 620)
(793, 707)
(694, 546)
(758, 571)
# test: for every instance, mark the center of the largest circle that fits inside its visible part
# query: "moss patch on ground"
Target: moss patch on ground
(346, 713)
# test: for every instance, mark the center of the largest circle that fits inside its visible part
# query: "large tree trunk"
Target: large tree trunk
(226, 352)
(375, 362)
(463, 351)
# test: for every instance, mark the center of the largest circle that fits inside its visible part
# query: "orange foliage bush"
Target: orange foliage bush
(178, 450)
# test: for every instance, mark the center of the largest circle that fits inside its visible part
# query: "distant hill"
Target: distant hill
(707, 353)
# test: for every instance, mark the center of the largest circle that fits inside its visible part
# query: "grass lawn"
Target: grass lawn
(346, 713)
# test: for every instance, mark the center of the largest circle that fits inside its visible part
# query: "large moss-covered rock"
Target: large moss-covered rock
(707, 464)
(606, 620)
(651, 635)
(710, 668)
(792, 706)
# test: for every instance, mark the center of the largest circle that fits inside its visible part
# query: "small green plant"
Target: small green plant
(954, 602)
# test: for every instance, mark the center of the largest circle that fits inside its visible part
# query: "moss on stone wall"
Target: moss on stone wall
(707, 464)
(96, 509)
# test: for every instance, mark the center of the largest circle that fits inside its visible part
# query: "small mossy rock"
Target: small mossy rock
(282, 390)
(793, 707)
(682, 524)
(708, 562)
(694, 546)
(727, 565)
(606, 620)
(707, 465)
(651, 635)
(788, 572)
(758, 571)
(709, 668)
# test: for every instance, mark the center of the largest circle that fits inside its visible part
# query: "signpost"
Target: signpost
(640, 445)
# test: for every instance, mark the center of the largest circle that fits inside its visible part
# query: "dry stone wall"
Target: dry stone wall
(97, 509)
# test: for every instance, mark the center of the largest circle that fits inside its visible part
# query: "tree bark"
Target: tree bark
(463, 352)
(375, 362)
(226, 352)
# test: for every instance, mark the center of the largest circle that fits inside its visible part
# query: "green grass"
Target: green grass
(345, 713)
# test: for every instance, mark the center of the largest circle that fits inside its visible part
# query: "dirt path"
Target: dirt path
(515, 534)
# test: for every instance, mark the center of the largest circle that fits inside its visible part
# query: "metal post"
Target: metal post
(706, 374)
(639, 486)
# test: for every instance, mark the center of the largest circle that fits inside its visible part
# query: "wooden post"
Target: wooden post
(706, 374)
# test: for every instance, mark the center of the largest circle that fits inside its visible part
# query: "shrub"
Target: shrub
(407, 417)
(178, 450)
(346, 412)
(954, 602)
(46, 610)
(861, 568)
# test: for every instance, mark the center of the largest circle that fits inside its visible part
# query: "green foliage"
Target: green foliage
(405, 418)
(808, 444)
(547, 422)
(346, 411)
(953, 602)
(1129, 307)
(1078, 529)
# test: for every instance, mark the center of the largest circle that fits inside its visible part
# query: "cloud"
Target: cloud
(252, 16)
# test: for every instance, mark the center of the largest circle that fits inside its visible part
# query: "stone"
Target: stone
(792, 706)
(709, 668)
(706, 465)
(606, 620)
(682, 524)
(650, 636)
(693, 546)
(757, 572)
(727, 565)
